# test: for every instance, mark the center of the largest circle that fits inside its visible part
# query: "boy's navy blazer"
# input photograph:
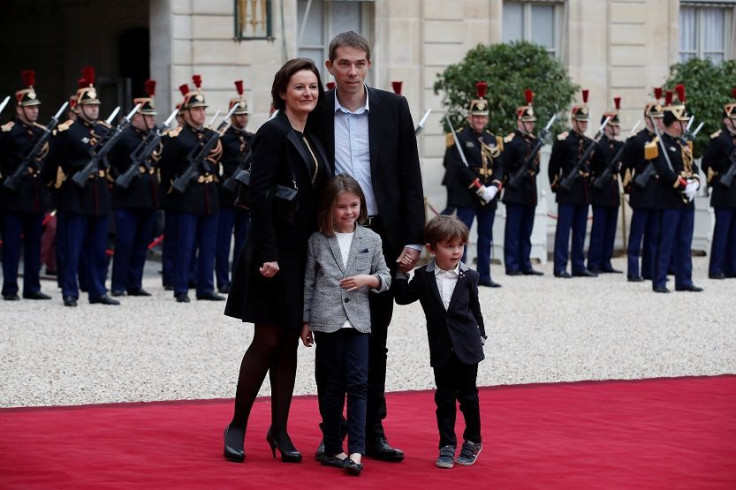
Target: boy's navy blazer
(459, 328)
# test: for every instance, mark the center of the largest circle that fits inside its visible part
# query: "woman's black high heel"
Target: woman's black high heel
(234, 439)
(289, 453)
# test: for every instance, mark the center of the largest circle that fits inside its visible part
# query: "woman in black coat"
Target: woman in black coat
(267, 287)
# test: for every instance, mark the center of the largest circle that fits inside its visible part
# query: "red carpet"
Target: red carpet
(662, 433)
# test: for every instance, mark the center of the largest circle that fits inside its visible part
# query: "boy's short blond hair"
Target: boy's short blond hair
(445, 228)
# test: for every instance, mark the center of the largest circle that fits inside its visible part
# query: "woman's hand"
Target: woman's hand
(269, 269)
(306, 335)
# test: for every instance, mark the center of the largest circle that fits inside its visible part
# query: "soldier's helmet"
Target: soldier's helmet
(479, 105)
(239, 100)
(581, 112)
(654, 109)
(675, 112)
(26, 97)
(614, 121)
(525, 113)
(729, 110)
(148, 107)
(194, 98)
(87, 93)
(396, 86)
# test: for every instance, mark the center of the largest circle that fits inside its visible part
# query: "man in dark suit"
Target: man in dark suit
(369, 134)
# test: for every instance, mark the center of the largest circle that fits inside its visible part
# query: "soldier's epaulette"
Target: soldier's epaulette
(173, 133)
(39, 126)
(7, 126)
(651, 149)
(509, 137)
(449, 140)
(63, 126)
(562, 136)
(499, 143)
(716, 134)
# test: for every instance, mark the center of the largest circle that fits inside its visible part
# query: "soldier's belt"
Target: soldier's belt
(206, 179)
(485, 172)
(99, 173)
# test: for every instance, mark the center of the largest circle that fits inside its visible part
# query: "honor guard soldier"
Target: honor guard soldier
(478, 177)
(168, 250)
(236, 144)
(23, 198)
(640, 183)
(189, 174)
(719, 163)
(521, 197)
(135, 196)
(83, 199)
(605, 195)
(678, 182)
(570, 162)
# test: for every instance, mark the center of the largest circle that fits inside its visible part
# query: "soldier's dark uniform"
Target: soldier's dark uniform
(676, 210)
(642, 191)
(134, 207)
(718, 158)
(196, 208)
(482, 152)
(236, 143)
(85, 209)
(521, 201)
(22, 208)
(605, 201)
(572, 205)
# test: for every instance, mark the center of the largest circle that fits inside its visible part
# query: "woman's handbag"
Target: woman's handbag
(242, 200)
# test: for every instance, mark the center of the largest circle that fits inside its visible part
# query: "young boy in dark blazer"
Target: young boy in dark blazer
(448, 292)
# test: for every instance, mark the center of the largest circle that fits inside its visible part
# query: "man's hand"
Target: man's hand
(306, 335)
(408, 259)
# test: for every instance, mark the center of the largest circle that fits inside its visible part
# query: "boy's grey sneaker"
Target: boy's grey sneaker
(469, 453)
(444, 460)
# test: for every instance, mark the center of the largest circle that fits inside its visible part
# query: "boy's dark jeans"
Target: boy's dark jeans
(456, 381)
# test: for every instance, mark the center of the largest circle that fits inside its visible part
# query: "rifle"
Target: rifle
(605, 177)
(727, 178)
(13, 180)
(420, 126)
(462, 155)
(526, 166)
(81, 177)
(569, 179)
(143, 152)
(197, 155)
(4, 103)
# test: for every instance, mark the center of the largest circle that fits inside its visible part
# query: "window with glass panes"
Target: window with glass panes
(533, 21)
(318, 21)
(706, 30)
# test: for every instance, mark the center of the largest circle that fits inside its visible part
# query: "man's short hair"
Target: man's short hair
(443, 228)
(351, 39)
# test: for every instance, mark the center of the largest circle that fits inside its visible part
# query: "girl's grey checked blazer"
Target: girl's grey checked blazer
(326, 305)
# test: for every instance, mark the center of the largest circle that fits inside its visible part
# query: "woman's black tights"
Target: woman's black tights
(272, 350)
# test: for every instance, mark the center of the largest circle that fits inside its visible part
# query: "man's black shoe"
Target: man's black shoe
(168, 287)
(224, 289)
(36, 295)
(563, 274)
(117, 293)
(513, 273)
(584, 273)
(635, 279)
(383, 451)
(11, 297)
(720, 275)
(213, 296)
(691, 287)
(489, 284)
(182, 298)
(70, 301)
(611, 270)
(138, 292)
(533, 272)
(661, 289)
(104, 300)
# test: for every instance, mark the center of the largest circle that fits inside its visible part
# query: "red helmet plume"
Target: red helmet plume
(657, 93)
(680, 89)
(150, 87)
(480, 89)
(330, 85)
(585, 96)
(29, 78)
(668, 98)
(184, 89)
(617, 102)
(197, 79)
(397, 86)
(239, 87)
(88, 72)
(82, 82)
(733, 92)
(529, 95)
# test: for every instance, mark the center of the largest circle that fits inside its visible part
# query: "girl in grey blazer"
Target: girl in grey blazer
(344, 264)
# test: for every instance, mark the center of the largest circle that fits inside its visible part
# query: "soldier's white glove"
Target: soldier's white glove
(691, 189)
(488, 193)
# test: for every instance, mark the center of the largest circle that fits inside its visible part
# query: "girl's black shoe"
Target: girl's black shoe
(353, 468)
(282, 442)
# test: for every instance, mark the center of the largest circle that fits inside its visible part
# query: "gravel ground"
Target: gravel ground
(541, 329)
